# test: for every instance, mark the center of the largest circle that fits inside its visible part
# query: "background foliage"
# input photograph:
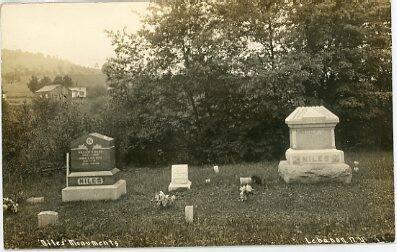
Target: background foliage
(212, 82)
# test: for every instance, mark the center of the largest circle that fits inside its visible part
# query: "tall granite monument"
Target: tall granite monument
(93, 175)
(312, 156)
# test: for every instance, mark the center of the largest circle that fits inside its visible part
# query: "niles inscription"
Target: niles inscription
(90, 181)
(90, 157)
(319, 158)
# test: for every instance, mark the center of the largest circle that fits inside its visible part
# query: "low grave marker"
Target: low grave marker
(34, 200)
(189, 214)
(46, 218)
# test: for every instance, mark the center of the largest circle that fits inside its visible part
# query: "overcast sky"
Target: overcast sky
(72, 31)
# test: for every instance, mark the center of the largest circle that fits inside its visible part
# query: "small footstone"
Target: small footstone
(46, 218)
(189, 214)
(216, 169)
(34, 200)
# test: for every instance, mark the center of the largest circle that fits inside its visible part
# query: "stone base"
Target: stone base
(175, 186)
(96, 192)
(315, 173)
(325, 156)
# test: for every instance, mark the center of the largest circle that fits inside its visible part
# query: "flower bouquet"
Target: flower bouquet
(164, 200)
(245, 191)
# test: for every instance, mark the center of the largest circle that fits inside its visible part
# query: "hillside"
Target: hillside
(17, 67)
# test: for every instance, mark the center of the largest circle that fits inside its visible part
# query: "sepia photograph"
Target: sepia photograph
(191, 123)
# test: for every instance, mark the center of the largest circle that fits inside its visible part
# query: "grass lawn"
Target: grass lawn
(276, 214)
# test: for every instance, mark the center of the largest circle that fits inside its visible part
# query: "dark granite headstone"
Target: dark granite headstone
(93, 173)
(93, 152)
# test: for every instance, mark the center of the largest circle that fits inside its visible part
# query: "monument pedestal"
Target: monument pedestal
(314, 173)
(94, 192)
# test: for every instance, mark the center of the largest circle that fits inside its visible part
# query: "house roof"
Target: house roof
(47, 88)
(78, 88)
(311, 115)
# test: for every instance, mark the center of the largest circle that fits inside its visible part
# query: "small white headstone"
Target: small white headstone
(216, 169)
(207, 180)
(46, 218)
(34, 200)
(245, 181)
(179, 177)
(189, 214)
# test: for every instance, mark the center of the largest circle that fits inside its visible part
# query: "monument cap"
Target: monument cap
(311, 115)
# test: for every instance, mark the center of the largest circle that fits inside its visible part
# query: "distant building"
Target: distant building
(54, 92)
(79, 92)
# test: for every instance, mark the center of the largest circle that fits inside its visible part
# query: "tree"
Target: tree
(45, 81)
(351, 41)
(34, 84)
(219, 77)
(65, 80)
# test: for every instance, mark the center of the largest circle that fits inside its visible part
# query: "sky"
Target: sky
(71, 31)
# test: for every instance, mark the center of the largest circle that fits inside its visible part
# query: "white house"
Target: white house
(79, 92)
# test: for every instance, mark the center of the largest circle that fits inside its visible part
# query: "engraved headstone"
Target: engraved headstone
(179, 177)
(312, 156)
(93, 175)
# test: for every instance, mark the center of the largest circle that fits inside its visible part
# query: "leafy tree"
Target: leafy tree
(219, 77)
(351, 43)
(65, 80)
(34, 84)
(45, 81)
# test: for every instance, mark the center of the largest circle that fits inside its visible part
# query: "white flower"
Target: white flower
(355, 169)
(248, 188)
(356, 163)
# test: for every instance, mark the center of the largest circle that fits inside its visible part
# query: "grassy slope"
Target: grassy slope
(26, 64)
(276, 214)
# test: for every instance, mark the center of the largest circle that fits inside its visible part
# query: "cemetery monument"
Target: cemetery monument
(93, 175)
(312, 156)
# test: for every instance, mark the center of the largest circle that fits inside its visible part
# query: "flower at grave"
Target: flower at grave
(164, 200)
(9, 206)
(355, 168)
(245, 191)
